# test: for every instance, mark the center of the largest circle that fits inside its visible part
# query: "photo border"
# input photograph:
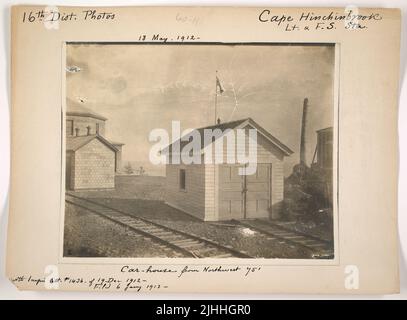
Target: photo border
(266, 262)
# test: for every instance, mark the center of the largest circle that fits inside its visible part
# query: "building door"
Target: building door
(231, 204)
(244, 197)
(258, 192)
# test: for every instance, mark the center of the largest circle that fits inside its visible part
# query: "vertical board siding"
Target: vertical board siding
(210, 193)
(192, 199)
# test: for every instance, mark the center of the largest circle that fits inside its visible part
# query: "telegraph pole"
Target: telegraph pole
(216, 96)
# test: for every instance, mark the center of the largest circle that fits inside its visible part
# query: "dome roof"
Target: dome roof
(74, 108)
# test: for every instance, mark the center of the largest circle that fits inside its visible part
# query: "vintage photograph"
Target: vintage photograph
(199, 150)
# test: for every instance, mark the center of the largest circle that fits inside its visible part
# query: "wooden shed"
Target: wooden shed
(216, 191)
(324, 149)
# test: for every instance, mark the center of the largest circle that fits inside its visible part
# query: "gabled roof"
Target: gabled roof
(75, 143)
(237, 124)
(74, 108)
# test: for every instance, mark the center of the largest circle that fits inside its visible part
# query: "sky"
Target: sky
(140, 87)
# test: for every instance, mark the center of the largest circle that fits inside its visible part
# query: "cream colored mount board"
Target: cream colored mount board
(210, 149)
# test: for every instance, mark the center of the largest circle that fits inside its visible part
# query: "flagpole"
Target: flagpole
(216, 95)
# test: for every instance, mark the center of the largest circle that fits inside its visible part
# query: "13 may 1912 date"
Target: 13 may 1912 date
(163, 38)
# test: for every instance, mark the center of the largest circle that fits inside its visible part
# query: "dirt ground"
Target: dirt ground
(143, 196)
(89, 235)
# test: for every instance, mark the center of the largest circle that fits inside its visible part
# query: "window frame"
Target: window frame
(71, 133)
(182, 179)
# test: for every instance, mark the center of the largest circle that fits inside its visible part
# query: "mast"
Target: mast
(216, 96)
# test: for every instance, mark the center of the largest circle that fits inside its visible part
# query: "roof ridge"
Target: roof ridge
(86, 139)
(224, 123)
(226, 126)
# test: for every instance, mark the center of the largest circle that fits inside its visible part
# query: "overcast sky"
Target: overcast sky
(143, 87)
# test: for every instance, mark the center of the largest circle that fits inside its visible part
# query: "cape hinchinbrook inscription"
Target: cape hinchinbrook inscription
(307, 20)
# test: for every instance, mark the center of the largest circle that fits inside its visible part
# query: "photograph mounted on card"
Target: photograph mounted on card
(187, 151)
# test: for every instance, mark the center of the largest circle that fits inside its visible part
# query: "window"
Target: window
(69, 127)
(182, 179)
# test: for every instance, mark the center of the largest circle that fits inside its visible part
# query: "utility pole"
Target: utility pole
(216, 97)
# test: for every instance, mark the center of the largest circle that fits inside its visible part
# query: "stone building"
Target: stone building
(92, 161)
